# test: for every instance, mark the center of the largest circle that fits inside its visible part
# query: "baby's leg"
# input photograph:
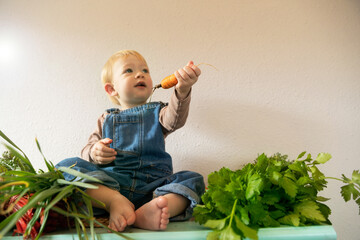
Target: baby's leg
(177, 204)
(155, 214)
(121, 210)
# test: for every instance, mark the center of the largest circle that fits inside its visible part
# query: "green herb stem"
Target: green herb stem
(233, 212)
(334, 178)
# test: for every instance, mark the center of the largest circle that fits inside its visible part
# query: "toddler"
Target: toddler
(127, 149)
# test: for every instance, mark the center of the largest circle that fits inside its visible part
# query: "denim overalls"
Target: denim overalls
(142, 168)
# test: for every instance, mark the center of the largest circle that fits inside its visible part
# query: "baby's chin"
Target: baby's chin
(141, 100)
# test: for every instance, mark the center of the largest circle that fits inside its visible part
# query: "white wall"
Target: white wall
(289, 78)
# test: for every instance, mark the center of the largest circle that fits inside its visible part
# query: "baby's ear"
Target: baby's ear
(109, 88)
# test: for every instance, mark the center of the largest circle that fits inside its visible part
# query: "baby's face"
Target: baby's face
(132, 81)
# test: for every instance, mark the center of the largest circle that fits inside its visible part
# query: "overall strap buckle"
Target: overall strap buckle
(113, 110)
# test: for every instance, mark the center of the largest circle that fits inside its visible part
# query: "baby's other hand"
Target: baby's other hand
(101, 153)
(186, 76)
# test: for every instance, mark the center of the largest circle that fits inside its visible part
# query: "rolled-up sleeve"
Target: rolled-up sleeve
(94, 138)
(174, 115)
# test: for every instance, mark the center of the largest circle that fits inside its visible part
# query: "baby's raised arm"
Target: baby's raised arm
(173, 116)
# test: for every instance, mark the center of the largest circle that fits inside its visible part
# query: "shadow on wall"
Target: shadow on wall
(237, 133)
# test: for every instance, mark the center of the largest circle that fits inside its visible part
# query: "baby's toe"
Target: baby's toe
(112, 226)
(130, 218)
(165, 215)
(122, 224)
(118, 224)
(163, 226)
(164, 221)
(161, 202)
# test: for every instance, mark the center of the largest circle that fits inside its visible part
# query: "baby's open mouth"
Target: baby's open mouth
(140, 84)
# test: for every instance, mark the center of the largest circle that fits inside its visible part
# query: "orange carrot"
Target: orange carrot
(168, 82)
(171, 80)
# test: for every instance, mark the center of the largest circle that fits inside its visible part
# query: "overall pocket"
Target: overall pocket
(127, 134)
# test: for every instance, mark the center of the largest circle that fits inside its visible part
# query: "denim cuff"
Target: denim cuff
(183, 191)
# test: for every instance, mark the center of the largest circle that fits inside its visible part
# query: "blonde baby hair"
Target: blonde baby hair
(107, 71)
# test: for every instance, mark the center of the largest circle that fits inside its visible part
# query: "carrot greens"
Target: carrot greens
(35, 202)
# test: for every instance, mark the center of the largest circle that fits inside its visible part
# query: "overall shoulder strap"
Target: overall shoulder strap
(113, 110)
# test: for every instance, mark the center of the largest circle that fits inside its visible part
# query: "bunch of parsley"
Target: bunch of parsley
(270, 192)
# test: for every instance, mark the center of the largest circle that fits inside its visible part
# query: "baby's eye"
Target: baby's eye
(145, 71)
(129, 70)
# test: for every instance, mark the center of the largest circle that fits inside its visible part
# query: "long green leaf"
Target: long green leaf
(69, 214)
(9, 141)
(91, 198)
(19, 173)
(83, 228)
(109, 229)
(78, 174)
(6, 222)
(46, 214)
(49, 165)
(78, 223)
(64, 192)
(27, 176)
(47, 175)
(79, 184)
(33, 220)
(88, 204)
(78, 230)
(11, 179)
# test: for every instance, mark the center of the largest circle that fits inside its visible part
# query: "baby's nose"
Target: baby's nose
(139, 75)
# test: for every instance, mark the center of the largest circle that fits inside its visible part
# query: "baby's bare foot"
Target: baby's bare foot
(153, 215)
(121, 213)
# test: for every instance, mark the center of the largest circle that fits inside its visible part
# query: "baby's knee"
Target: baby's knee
(68, 162)
(193, 180)
(75, 162)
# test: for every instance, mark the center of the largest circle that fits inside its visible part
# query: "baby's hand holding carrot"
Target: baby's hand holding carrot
(187, 77)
